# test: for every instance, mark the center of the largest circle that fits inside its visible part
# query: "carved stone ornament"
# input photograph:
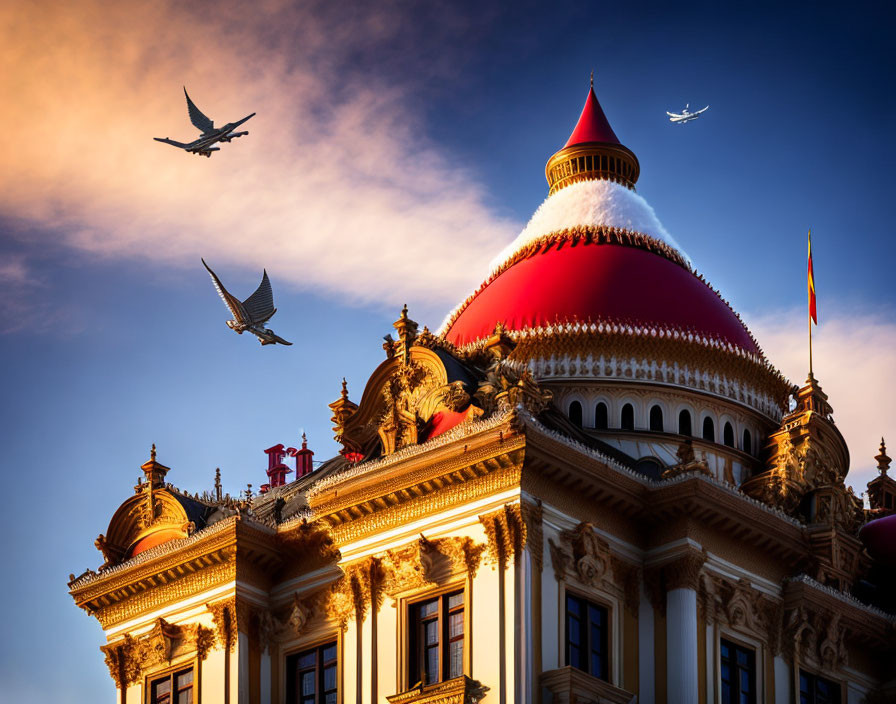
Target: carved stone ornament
(506, 531)
(508, 385)
(815, 638)
(584, 557)
(129, 658)
(741, 607)
(460, 690)
(359, 588)
(224, 615)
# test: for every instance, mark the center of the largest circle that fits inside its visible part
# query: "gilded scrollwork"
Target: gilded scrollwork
(506, 532)
(130, 657)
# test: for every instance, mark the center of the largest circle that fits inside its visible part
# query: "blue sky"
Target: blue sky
(394, 153)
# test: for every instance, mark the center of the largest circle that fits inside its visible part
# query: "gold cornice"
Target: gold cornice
(239, 548)
(458, 494)
(421, 475)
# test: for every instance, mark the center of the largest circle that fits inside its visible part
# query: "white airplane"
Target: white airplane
(210, 135)
(685, 115)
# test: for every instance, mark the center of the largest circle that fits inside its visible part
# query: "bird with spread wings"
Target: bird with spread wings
(252, 313)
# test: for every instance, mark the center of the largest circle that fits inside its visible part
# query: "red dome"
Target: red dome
(879, 537)
(598, 282)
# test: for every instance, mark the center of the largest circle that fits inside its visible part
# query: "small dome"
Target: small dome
(879, 537)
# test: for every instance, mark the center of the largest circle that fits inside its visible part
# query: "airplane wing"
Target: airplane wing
(172, 142)
(239, 122)
(232, 302)
(260, 305)
(200, 121)
(701, 111)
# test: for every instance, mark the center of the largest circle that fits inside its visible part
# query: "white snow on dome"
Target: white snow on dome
(592, 203)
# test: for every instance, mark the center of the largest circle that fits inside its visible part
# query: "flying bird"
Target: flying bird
(252, 313)
(209, 135)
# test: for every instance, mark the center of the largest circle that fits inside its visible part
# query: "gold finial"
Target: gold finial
(344, 388)
(152, 453)
(304, 441)
(592, 79)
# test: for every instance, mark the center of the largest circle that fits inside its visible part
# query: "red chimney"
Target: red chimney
(277, 471)
(304, 465)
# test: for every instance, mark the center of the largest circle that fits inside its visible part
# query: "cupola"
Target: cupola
(592, 152)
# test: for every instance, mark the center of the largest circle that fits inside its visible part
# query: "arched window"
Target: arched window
(628, 417)
(656, 419)
(600, 416)
(575, 413)
(709, 429)
(748, 442)
(684, 422)
(728, 435)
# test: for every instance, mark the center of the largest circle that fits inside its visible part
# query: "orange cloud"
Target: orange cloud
(336, 188)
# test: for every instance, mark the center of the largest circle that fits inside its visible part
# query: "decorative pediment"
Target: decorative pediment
(402, 399)
(129, 658)
(416, 565)
(582, 556)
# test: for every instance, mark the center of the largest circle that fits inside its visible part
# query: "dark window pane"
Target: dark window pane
(684, 423)
(329, 652)
(572, 605)
(163, 686)
(573, 632)
(724, 649)
(628, 417)
(456, 659)
(432, 665)
(596, 615)
(455, 600)
(307, 660)
(185, 697)
(600, 416)
(574, 657)
(429, 608)
(431, 632)
(331, 698)
(456, 625)
(709, 430)
(575, 413)
(656, 419)
(330, 678)
(307, 683)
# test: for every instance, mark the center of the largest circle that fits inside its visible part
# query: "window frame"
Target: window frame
(610, 606)
(756, 653)
(409, 674)
(169, 673)
(815, 676)
(317, 645)
(746, 640)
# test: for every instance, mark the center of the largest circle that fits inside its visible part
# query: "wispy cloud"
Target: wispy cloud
(337, 188)
(855, 364)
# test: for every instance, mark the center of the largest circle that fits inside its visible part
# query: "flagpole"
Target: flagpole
(809, 292)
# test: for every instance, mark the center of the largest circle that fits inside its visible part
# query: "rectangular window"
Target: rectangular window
(174, 688)
(738, 674)
(436, 639)
(586, 637)
(818, 690)
(311, 676)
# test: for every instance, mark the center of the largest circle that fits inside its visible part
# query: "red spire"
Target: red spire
(593, 125)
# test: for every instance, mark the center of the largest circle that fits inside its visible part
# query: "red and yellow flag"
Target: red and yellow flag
(811, 283)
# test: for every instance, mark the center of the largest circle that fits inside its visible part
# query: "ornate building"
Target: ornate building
(589, 485)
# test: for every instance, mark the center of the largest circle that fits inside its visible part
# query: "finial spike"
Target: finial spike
(152, 453)
(592, 79)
